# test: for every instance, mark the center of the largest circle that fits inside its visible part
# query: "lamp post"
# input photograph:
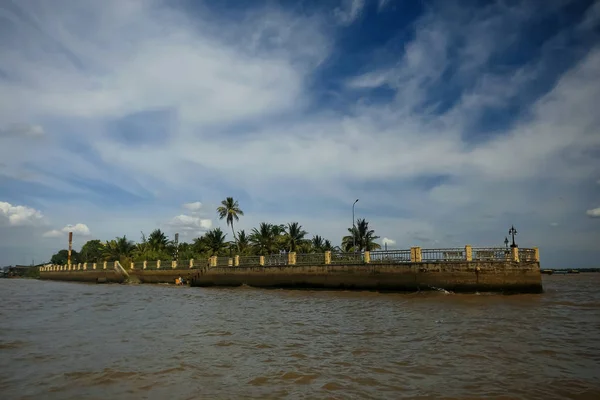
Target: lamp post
(512, 231)
(353, 228)
(506, 242)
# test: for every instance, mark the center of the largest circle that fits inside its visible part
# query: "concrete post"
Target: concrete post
(115, 264)
(85, 266)
(515, 254)
(536, 254)
(173, 264)
(93, 265)
(132, 265)
(236, 261)
(327, 257)
(213, 261)
(230, 262)
(104, 265)
(468, 253)
(192, 263)
(367, 257)
(413, 254)
(418, 255)
(292, 258)
(157, 264)
(261, 260)
(145, 264)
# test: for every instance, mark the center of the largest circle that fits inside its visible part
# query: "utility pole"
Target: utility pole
(70, 248)
(353, 228)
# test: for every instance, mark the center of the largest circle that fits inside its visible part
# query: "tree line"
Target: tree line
(266, 239)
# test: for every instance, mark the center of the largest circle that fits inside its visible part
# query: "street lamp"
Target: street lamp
(353, 228)
(506, 242)
(512, 231)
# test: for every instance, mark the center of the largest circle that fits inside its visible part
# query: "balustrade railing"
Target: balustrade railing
(310, 259)
(490, 254)
(390, 256)
(276, 259)
(347, 258)
(249, 261)
(455, 254)
(527, 255)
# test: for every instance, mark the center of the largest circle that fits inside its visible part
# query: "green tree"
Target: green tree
(362, 236)
(61, 258)
(264, 239)
(92, 251)
(230, 210)
(294, 236)
(119, 249)
(243, 242)
(215, 241)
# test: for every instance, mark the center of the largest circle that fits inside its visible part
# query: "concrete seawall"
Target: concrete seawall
(465, 269)
(508, 277)
(98, 276)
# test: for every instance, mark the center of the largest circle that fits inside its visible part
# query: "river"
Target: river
(83, 341)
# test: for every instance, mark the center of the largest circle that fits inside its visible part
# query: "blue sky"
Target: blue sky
(449, 120)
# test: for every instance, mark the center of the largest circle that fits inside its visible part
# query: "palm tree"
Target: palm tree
(118, 249)
(158, 240)
(362, 235)
(243, 242)
(317, 244)
(264, 239)
(294, 235)
(215, 241)
(230, 210)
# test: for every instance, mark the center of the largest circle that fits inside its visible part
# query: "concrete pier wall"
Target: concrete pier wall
(101, 276)
(456, 276)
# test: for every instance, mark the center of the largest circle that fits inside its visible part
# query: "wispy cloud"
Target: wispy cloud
(468, 137)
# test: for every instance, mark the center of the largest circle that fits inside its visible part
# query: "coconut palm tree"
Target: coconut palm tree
(317, 244)
(362, 236)
(243, 242)
(294, 236)
(158, 240)
(230, 210)
(264, 239)
(215, 241)
(118, 249)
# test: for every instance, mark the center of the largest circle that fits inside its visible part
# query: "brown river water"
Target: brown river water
(82, 341)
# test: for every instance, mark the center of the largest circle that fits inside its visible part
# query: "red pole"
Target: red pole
(70, 247)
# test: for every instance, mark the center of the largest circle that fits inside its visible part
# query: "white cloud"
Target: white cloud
(387, 241)
(22, 130)
(77, 229)
(594, 213)
(19, 215)
(190, 223)
(194, 207)
(349, 11)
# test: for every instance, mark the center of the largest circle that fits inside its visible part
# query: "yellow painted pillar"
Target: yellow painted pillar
(230, 262)
(261, 260)
(367, 257)
(515, 254)
(536, 254)
(132, 265)
(468, 253)
(292, 258)
(413, 254)
(157, 264)
(85, 266)
(115, 264)
(327, 257)
(93, 265)
(236, 261)
(145, 264)
(192, 263)
(418, 255)
(104, 265)
(213, 261)
(173, 264)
